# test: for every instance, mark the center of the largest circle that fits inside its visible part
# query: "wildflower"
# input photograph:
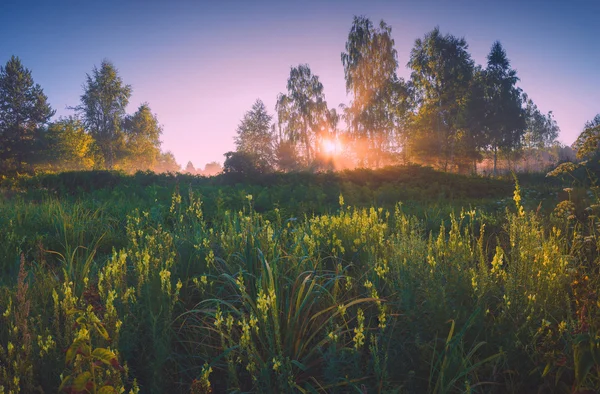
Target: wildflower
(218, 318)
(239, 281)
(263, 303)
(7, 311)
(254, 322)
(276, 364)
(202, 385)
(333, 336)
(382, 318)
(562, 327)
(359, 331)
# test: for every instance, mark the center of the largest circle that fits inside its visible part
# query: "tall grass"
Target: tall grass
(182, 298)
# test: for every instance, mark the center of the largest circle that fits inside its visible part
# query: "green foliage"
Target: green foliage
(380, 99)
(302, 113)
(251, 287)
(141, 145)
(102, 108)
(442, 71)
(244, 164)
(254, 134)
(23, 110)
(92, 369)
(505, 117)
(587, 142)
(70, 147)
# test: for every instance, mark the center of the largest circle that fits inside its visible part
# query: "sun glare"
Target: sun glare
(331, 146)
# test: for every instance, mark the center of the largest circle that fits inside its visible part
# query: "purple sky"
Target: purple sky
(201, 65)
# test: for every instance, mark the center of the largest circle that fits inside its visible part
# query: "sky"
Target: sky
(202, 64)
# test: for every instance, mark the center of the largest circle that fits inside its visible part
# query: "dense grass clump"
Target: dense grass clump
(115, 286)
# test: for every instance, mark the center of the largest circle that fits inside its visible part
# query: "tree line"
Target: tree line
(450, 114)
(100, 134)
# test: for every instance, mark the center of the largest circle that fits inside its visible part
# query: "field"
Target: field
(398, 280)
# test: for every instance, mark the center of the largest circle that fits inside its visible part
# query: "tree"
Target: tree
(102, 108)
(303, 112)
(141, 132)
(166, 163)
(380, 99)
(442, 71)
(541, 131)
(242, 163)
(24, 109)
(473, 123)
(254, 134)
(505, 116)
(70, 147)
(588, 141)
(286, 156)
(189, 168)
(212, 168)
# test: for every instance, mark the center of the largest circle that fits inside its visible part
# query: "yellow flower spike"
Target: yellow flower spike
(276, 364)
(359, 336)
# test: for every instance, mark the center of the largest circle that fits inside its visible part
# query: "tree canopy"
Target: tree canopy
(451, 113)
(254, 134)
(103, 108)
(303, 112)
(24, 108)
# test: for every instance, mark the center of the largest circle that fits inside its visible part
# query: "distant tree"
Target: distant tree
(541, 132)
(212, 168)
(243, 163)
(141, 145)
(473, 124)
(380, 99)
(505, 116)
(442, 70)
(102, 108)
(24, 109)
(302, 112)
(286, 156)
(254, 133)
(588, 141)
(189, 168)
(166, 163)
(285, 152)
(70, 147)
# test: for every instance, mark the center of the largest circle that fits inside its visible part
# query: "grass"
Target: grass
(364, 281)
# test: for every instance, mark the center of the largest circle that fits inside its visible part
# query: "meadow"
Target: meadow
(396, 280)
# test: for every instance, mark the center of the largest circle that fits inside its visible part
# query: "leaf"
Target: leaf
(63, 386)
(299, 365)
(583, 361)
(104, 355)
(84, 349)
(72, 311)
(547, 369)
(81, 381)
(107, 390)
(73, 349)
(102, 331)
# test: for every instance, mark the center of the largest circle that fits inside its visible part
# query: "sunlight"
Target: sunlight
(331, 146)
